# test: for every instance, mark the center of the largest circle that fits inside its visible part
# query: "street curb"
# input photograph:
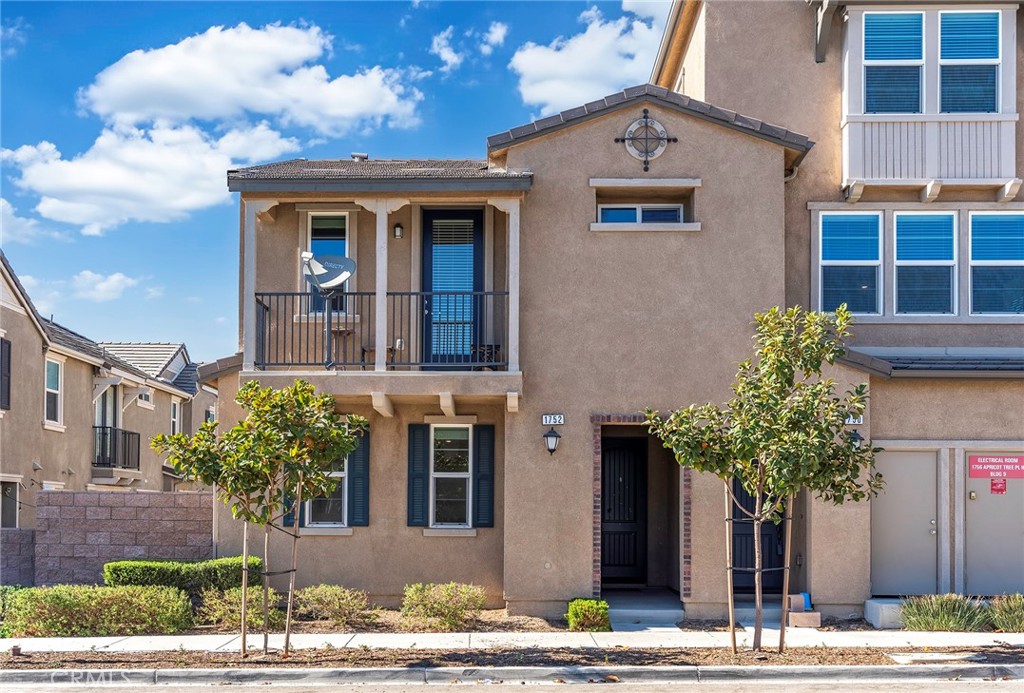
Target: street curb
(571, 674)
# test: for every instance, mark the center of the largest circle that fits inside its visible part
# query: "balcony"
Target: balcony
(425, 331)
(116, 456)
(929, 152)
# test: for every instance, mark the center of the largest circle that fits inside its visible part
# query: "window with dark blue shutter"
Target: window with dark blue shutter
(359, 483)
(483, 476)
(997, 263)
(969, 62)
(850, 259)
(5, 374)
(893, 60)
(925, 263)
(419, 475)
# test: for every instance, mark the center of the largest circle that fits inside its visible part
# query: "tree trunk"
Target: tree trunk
(266, 589)
(785, 572)
(295, 563)
(728, 568)
(245, 579)
(758, 615)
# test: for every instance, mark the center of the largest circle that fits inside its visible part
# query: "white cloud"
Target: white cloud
(154, 292)
(441, 46)
(100, 288)
(45, 295)
(129, 174)
(13, 36)
(270, 72)
(607, 56)
(651, 9)
(15, 229)
(494, 37)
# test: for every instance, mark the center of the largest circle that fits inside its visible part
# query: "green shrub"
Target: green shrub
(88, 610)
(588, 614)
(192, 576)
(332, 603)
(946, 612)
(6, 592)
(1007, 613)
(446, 607)
(224, 608)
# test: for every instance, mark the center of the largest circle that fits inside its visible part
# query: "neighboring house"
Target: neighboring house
(169, 363)
(572, 278)
(75, 416)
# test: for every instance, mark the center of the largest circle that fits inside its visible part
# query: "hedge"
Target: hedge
(588, 615)
(89, 610)
(192, 576)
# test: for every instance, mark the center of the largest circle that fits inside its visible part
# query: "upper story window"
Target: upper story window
(5, 374)
(851, 262)
(175, 416)
(926, 263)
(328, 236)
(9, 502)
(640, 214)
(997, 263)
(969, 62)
(54, 406)
(893, 62)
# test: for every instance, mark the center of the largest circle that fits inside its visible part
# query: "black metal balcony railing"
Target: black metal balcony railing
(116, 447)
(438, 330)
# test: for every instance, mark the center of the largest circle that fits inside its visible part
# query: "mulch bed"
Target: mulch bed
(495, 657)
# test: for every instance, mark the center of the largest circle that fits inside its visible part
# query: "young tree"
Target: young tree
(783, 430)
(261, 468)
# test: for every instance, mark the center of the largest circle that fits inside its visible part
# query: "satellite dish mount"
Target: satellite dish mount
(328, 275)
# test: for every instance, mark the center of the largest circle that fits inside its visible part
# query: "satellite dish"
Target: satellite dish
(328, 272)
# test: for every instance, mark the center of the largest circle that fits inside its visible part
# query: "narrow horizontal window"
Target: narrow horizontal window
(997, 264)
(850, 262)
(640, 213)
(618, 215)
(660, 215)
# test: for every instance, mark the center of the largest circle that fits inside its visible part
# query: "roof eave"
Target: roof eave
(379, 185)
(675, 40)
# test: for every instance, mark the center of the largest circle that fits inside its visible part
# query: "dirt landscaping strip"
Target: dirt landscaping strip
(495, 657)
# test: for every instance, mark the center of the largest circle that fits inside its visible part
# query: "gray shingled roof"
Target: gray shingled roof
(379, 169)
(208, 372)
(664, 97)
(70, 339)
(188, 379)
(895, 362)
(151, 357)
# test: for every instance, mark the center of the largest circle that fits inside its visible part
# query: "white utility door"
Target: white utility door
(994, 532)
(904, 525)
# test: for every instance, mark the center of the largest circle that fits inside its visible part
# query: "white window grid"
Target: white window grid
(467, 475)
(865, 63)
(59, 391)
(822, 263)
(987, 263)
(639, 207)
(897, 263)
(997, 61)
(342, 476)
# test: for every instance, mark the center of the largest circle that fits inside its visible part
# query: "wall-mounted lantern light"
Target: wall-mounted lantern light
(857, 439)
(551, 439)
(399, 231)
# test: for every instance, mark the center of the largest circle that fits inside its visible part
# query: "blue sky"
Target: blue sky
(118, 121)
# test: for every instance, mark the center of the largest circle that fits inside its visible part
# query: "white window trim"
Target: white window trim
(307, 242)
(822, 263)
(467, 475)
(308, 505)
(16, 480)
(175, 415)
(998, 61)
(54, 485)
(897, 263)
(865, 63)
(145, 403)
(58, 424)
(972, 263)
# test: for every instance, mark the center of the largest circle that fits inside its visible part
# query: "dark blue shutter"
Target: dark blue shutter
(358, 468)
(419, 475)
(289, 517)
(5, 374)
(483, 476)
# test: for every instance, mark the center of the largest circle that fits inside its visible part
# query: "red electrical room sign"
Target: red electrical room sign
(996, 466)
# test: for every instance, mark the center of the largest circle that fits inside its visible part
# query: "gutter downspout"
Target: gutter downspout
(790, 176)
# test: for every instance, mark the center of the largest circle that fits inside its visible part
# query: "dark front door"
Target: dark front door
(452, 285)
(743, 547)
(624, 510)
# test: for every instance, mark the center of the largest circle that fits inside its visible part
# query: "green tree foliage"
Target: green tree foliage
(784, 429)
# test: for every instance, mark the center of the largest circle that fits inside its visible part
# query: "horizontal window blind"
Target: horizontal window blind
(969, 88)
(924, 289)
(922, 237)
(997, 237)
(849, 237)
(997, 289)
(854, 285)
(892, 89)
(969, 35)
(660, 215)
(893, 36)
(618, 215)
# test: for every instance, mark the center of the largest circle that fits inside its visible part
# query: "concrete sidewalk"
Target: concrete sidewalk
(462, 641)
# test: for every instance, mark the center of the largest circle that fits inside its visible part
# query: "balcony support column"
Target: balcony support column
(381, 208)
(511, 208)
(253, 209)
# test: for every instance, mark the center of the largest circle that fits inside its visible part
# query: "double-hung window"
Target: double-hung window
(175, 416)
(451, 468)
(969, 62)
(893, 62)
(5, 374)
(328, 237)
(997, 263)
(54, 406)
(331, 510)
(851, 252)
(925, 263)
(640, 214)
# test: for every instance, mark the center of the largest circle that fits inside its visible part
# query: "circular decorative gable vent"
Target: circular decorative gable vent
(646, 139)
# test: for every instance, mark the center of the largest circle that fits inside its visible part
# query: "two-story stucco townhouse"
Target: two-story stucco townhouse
(74, 415)
(610, 258)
